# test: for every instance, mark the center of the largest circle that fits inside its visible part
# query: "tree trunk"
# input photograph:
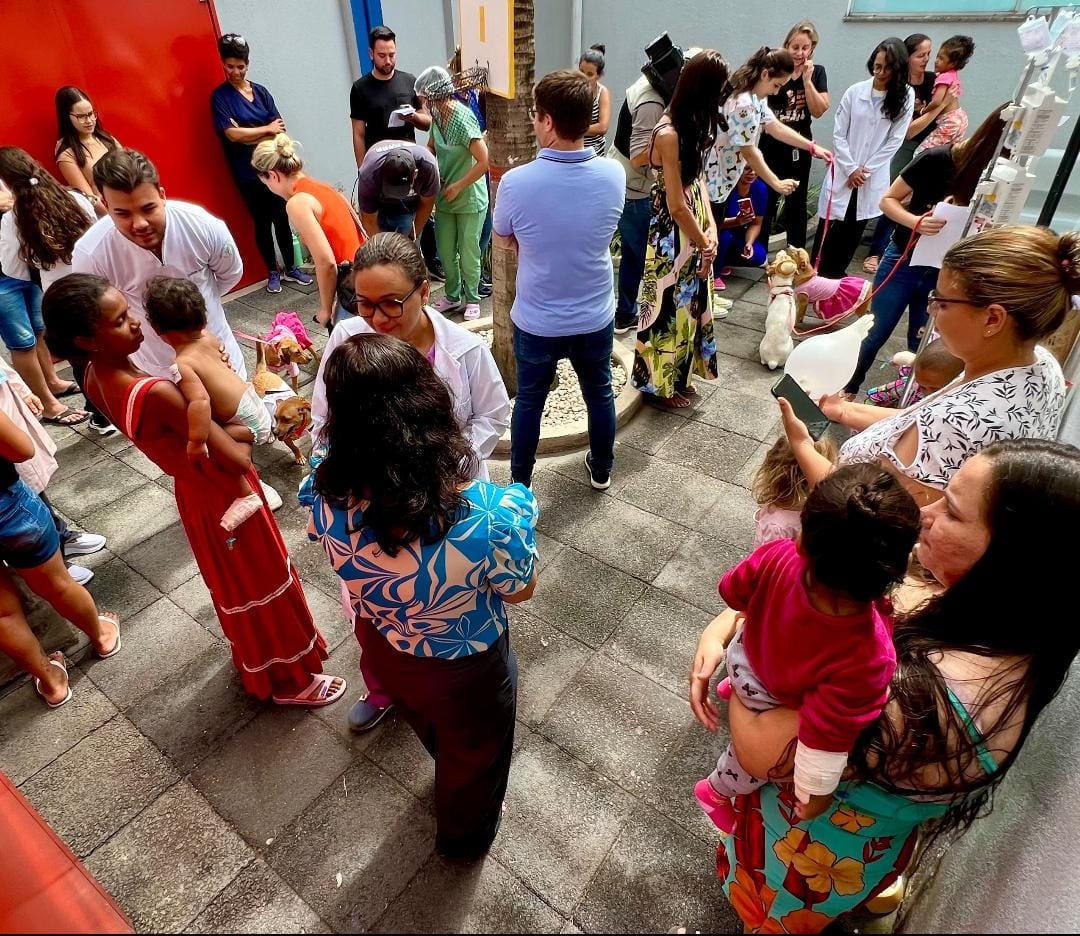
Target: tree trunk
(510, 143)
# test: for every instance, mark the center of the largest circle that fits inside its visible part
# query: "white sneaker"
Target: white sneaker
(81, 574)
(472, 312)
(84, 544)
(273, 499)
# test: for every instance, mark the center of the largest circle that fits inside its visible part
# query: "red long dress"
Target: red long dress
(256, 592)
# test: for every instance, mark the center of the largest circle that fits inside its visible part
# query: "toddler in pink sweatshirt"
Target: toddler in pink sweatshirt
(818, 631)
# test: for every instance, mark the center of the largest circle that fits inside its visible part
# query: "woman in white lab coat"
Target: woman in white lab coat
(870, 126)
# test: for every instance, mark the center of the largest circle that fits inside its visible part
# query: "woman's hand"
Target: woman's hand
(794, 428)
(747, 251)
(707, 660)
(858, 178)
(930, 226)
(787, 186)
(451, 191)
(819, 152)
(276, 126)
(834, 406)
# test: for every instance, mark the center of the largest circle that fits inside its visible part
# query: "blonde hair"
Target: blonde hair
(803, 26)
(277, 155)
(1030, 271)
(780, 482)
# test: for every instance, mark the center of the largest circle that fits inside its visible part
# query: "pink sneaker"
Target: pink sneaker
(447, 305)
(718, 808)
(718, 283)
(723, 688)
(725, 271)
(472, 312)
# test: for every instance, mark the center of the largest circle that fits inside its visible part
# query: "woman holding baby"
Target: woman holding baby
(255, 590)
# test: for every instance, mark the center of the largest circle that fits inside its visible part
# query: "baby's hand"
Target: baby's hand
(197, 451)
(813, 809)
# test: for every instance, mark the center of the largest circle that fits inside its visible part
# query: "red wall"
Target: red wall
(149, 67)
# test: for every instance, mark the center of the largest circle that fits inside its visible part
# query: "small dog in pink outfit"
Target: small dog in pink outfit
(827, 298)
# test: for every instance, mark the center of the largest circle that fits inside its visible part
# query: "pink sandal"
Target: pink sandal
(317, 693)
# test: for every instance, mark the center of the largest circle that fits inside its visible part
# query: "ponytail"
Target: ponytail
(277, 155)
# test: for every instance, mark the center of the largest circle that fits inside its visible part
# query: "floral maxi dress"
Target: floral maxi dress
(675, 321)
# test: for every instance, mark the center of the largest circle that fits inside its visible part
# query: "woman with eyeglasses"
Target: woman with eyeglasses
(944, 173)
(998, 294)
(388, 296)
(82, 141)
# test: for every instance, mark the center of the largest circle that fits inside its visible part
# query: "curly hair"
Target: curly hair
(394, 444)
(47, 218)
(780, 482)
(897, 90)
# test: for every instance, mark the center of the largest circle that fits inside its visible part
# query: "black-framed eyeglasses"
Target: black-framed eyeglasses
(391, 308)
(935, 300)
(89, 116)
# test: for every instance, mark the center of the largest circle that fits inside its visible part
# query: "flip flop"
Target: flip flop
(71, 390)
(64, 417)
(113, 619)
(37, 686)
(317, 693)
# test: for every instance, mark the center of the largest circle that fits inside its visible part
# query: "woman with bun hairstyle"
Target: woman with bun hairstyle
(998, 294)
(591, 64)
(325, 222)
(81, 142)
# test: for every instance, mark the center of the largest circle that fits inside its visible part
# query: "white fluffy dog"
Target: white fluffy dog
(780, 320)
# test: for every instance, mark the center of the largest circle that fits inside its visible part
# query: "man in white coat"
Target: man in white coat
(144, 236)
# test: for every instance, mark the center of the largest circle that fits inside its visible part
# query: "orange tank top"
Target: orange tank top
(337, 218)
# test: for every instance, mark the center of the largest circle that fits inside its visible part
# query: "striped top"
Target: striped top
(596, 141)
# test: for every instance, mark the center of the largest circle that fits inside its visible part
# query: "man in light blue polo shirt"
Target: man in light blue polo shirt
(559, 212)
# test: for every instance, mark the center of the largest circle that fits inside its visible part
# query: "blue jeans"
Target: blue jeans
(883, 231)
(729, 247)
(908, 289)
(634, 238)
(398, 220)
(20, 313)
(537, 358)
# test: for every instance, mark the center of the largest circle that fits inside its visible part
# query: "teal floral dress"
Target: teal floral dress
(675, 319)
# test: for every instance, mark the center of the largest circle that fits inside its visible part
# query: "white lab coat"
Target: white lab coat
(11, 244)
(863, 137)
(197, 246)
(463, 361)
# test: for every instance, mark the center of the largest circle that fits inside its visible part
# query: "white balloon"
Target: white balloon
(822, 364)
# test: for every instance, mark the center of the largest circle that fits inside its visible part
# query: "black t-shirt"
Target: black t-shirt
(789, 103)
(8, 474)
(930, 175)
(373, 100)
(924, 94)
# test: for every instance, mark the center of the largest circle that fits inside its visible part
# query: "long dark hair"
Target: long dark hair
(774, 61)
(394, 442)
(67, 136)
(47, 218)
(71, 308)
(1009, 604)
(971, 159)
(695, 108)
(896, 92)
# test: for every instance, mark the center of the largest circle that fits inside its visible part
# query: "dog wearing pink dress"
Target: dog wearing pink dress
(827, 298)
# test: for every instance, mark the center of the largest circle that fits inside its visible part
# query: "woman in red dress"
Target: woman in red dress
(256, 592)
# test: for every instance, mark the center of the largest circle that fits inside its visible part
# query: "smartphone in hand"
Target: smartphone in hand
(805, 408)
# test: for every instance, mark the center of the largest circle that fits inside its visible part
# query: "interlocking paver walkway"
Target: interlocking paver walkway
(202, 810)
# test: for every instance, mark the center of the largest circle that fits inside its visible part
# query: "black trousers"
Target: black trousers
(841, 242)
(782, 161)
(463, 712)
(268, 213)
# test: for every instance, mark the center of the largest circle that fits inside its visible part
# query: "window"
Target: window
(933, 9)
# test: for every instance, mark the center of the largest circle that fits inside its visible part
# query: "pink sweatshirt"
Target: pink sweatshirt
(834, 670)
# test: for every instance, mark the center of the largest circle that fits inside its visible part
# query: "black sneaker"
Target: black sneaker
(99, 422)
(600, 482)
(486, 289)
(436, 271)
(623, 324)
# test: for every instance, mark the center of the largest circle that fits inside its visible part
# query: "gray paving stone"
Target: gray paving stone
(79, 454)
(94, 789)
(564, 503)
(730, 517)
(672, 491)
(329, 617)
(133, 458)
(547, 660)
(747, 377)
(656, 878)
(135, 517)
(345, 661)
(628, 462)
(193, 708)
(658, 639)
(745, 477)
(711, 451)
(85, 491)
(194, 598)
(167, 865)
(399, 753)
(270, 771)
(157, 641)
(258, 901)
(165, 559)
(737, 341)
(693, 573)
(583, 597)
(118, 587)
(548, 548)
(497, 902)
(737, 412)
(376, 836)
(33, 736)
(627, 538)
(618, 722)
(650, 429)
(561, 819)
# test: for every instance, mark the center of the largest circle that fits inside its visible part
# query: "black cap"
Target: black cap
(397, 173)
